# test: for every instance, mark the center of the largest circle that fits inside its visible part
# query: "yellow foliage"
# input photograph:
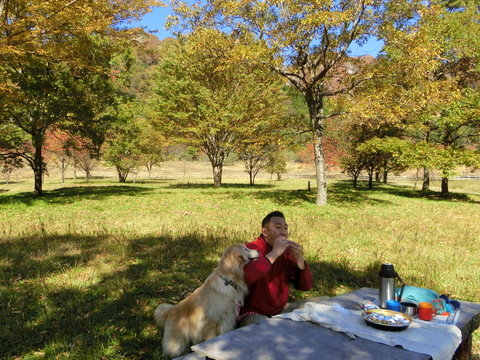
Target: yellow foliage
(41, 27)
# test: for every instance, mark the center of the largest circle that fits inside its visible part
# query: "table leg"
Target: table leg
(464, 350)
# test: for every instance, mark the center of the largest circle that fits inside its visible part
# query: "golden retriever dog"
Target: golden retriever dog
(210, 310)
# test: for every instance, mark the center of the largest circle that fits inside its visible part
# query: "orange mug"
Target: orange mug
(426, 311)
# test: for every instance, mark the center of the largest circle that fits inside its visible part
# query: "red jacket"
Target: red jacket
(269, 284)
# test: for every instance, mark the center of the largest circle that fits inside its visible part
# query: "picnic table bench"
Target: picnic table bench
(278, 338)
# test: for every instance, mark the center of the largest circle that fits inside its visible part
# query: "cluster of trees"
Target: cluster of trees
(421, 108)
(126, 107)
(250, 78)
(425, 82)
(223, 101)
(56, 72)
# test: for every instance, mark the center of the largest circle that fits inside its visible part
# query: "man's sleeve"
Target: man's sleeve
(257, 269)
(303, 279)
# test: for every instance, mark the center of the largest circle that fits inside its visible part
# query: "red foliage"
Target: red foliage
(332, 153)
(306, 155)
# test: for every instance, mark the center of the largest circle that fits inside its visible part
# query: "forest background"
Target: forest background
(74, 93)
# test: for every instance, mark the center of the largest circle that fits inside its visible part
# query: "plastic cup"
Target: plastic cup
(393, 305)
(426, 311)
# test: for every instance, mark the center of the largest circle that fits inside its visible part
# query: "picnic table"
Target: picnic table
(279, 338)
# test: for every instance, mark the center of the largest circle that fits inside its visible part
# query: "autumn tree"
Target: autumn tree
(121, 148)
(206, 95)
(347, 136)
(152, 145)
(276, 163)
(9, 165)
(132, 142)
(255, 158)
(57, 147)
(49, 94)
(309, 43)
(264, 150)
(12, 145)
(427, 83)
(55, 70)
(83, 153)
(382, 155)
(46, 28)
(85, 160)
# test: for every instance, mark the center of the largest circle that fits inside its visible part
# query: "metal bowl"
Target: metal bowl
(388, 320)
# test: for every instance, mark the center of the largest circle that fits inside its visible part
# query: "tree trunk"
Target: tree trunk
(426, 179)
(249, 166)
(216, 155)
(370, 179)
(122, 175)
(314, 100)
(355, 178)
(385, 176)
(38, 169)
(444, 185)
(217, 174)
(63, 170)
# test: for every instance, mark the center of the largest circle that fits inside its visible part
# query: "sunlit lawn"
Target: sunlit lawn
(82, 268)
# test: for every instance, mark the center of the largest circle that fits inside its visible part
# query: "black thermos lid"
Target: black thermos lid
(387, 271)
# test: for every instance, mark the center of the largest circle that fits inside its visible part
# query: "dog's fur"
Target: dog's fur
(210, 310)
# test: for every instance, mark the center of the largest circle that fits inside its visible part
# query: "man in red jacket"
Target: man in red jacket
(280, 263)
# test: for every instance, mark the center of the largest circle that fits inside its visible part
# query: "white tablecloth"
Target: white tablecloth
(437, 340)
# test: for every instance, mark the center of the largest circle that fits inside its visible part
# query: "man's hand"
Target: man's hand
(279, 246)
(297, 251)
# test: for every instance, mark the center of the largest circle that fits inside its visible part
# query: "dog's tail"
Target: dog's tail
(161, 313)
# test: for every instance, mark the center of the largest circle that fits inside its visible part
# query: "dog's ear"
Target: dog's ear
(242, 257)
(232, 260)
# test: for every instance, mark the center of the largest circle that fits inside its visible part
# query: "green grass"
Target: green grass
(82, 268)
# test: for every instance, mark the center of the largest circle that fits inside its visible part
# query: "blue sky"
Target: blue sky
(155, 21)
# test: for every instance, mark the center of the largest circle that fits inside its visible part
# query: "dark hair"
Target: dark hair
(267, 218)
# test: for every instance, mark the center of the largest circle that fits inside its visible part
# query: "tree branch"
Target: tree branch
(61, 9)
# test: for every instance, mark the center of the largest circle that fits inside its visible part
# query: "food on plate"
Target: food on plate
(387, 319)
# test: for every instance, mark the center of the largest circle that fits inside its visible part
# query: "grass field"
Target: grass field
(82, 268)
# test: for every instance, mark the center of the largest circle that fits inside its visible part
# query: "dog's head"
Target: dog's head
(236, 256)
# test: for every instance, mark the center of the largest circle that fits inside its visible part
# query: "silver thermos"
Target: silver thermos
(387, 284)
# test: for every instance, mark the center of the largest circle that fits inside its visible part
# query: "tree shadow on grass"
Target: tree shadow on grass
(336, 195)
(52, 304)
(342, 191)
(68, 195)
(38, 256)
(287, 197)
(431, 195)
(223, 186)
(339, 192)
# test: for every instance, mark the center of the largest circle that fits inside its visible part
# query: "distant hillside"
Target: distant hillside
(148, 54)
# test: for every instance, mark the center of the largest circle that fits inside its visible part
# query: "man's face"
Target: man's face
(274, 229)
